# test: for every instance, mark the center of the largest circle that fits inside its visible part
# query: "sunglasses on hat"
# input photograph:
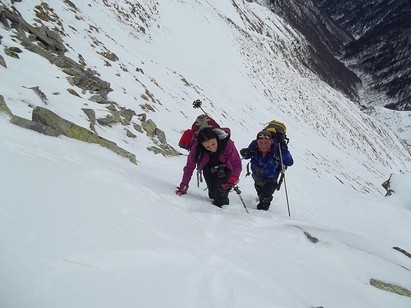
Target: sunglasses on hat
(264, 136)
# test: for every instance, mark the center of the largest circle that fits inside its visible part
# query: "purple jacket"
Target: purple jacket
(229, 157)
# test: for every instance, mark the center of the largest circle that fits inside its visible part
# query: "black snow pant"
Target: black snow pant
(265, 189)
(215, 177)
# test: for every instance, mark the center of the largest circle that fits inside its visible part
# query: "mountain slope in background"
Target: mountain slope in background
(323, 39)
(381, 52)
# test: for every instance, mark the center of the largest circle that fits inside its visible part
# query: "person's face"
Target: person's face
(210, 145)
(264, 144)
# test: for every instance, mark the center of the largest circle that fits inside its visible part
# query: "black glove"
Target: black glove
(283, 145)
(280, 138)
(247, 153)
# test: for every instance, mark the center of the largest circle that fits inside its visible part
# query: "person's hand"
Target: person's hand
(281, 141)
(182, 189)
(227, 186)
(247, 153)
(283, 145)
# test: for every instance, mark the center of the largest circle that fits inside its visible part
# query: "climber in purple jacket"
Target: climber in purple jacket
(215, 154)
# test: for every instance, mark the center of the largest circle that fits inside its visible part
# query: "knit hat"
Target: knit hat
(264, 135)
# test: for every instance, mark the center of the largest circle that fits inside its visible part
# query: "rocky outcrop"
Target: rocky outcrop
(50, 119)
(47, 43)
(3, 106)
(393, 288)
(48, 123)
(38, 127)
(387, 186)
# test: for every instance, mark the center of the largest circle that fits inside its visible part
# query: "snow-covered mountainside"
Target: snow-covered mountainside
(323, 41)
(81, 226)
(232, 55)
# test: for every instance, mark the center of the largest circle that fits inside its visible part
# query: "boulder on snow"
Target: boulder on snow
(3, 106)
(71, 130)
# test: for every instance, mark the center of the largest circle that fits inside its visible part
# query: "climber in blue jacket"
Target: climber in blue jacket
(265, 152)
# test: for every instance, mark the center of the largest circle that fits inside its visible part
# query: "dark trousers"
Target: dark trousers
(214, 182)
(265, 189)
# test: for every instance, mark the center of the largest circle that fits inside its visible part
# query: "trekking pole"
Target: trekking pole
(280, 181)
(238, 191)
(283, 178)
(197, 104)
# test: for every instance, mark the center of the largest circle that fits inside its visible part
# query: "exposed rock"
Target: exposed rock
(91, 114)
(99, 99)
(402, 105)
(390, 287)
(164, 149)
(3, 106)
(110, 119)
(130, 134)
(311, 238)
(40, 93)
(402, 251)
(11, 53)
(109, 55)
(3, 18)
(2, 61)
(38, 127)
(15, 49)
(43, 34)
(70, 71)
(387, 186)
(147, 107)
(48, 44)
(142, 117)
(138, 128)
(112, 107)
(160, 135)
(127, 115)
(149, 126)
(90, 82)
(71, 130)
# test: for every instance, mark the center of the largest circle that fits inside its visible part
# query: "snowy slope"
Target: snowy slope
(83, 227)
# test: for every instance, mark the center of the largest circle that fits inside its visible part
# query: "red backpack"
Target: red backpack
(190, 135)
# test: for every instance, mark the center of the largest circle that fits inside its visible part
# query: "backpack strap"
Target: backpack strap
(248, 170)
(199, 170)
(199, 176)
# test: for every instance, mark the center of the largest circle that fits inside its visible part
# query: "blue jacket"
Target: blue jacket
(269, 166)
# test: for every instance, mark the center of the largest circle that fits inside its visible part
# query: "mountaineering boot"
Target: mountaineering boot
(264, 203)
(221, 202)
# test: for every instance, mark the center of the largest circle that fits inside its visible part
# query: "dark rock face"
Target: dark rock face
(359, 16)
(325, 40)
(382, 50)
